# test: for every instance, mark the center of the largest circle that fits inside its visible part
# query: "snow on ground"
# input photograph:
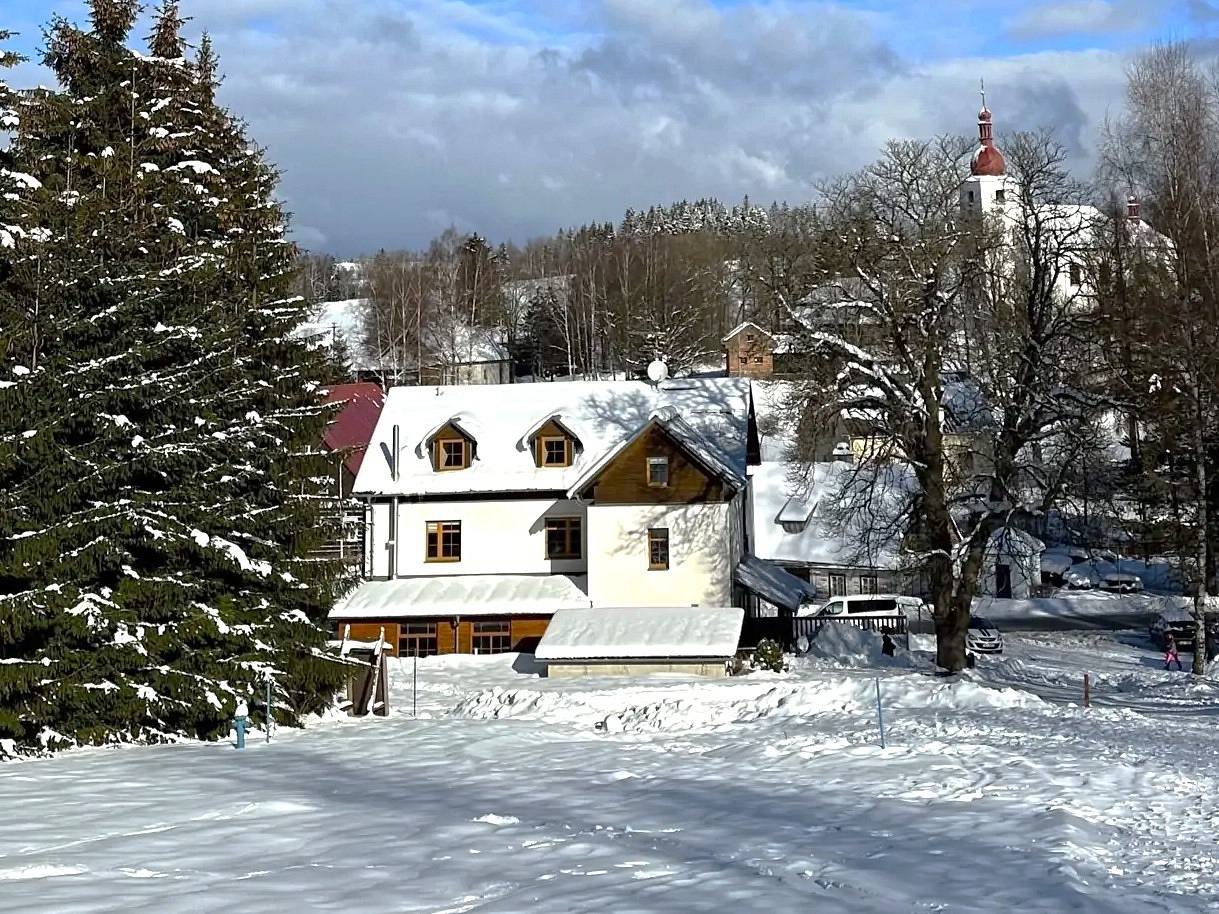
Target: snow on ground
(1079, 603)
(512, 793)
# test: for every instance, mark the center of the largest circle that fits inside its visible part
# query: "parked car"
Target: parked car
(868, 604)
(982, 637)
(1181, 623)
(1120, 582)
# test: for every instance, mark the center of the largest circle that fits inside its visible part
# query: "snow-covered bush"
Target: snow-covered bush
(769, 656)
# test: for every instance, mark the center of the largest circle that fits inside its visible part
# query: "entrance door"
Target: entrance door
(1003, 581)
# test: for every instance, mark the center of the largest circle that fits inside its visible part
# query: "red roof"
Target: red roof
(352, 426)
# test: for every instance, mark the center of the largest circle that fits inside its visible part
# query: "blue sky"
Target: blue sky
(393, 119)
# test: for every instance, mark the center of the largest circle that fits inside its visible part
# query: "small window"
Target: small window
(444, 541)
(417, 639)
(971, 196)
(556, 452)
(1076, 275)
(658, 472)
(867, 583)
(491, 637)
(1000, 195)
(744, 360)
(563, 538)
(748, 337)
(838, 585)
(658, 549)
(1106, 274)
(452, 455)
(758, 358)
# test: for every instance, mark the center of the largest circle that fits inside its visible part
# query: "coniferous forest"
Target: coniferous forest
(158, 425)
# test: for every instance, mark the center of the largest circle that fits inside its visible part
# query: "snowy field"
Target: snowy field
(763, 793)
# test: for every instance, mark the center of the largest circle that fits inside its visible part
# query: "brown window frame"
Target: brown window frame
(657, 536)
(744, 360)
(437, 527)
(418, 639)
(573, 533)
(491, 636)
(442, 465)
(758, 358)
(658, 460)
(544, 454)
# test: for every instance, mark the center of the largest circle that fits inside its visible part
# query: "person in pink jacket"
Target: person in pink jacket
(1170, 652)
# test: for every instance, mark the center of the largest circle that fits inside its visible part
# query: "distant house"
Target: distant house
(460, 354)
(339, 326)
(820, 524)
(492, 507)
(749, 351)
(346, 437)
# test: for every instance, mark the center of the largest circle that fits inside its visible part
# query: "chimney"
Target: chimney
(1132, 208)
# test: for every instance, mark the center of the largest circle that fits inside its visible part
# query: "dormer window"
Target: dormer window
(554, 452)
(658, 472)
(793, 526)
(452, 448)
(451, 454)
(552, 444)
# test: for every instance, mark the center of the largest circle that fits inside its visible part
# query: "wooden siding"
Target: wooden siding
(527, 632)
(625, 480)
(524, 632)
(760, 347)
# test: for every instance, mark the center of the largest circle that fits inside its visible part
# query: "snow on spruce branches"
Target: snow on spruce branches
(156, 417)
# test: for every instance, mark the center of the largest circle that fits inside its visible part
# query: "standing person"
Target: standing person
(1170, 652)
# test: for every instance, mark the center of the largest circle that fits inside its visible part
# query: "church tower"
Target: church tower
(985, 190)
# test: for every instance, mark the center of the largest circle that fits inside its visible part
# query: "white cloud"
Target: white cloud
(1075, 17)
(393, 118)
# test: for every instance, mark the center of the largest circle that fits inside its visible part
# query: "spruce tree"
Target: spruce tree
(160, 498)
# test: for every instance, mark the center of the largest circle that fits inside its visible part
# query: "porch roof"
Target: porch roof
(464, 595)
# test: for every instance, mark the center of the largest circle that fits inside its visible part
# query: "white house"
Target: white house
(490, 507)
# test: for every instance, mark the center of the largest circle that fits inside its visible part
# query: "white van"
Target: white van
(868, 604)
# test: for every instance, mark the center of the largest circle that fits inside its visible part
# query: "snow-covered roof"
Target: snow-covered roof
(773, 584)
(332, 322)
(869, 537)
(464, 595)
(686, 632)
(743, 326)
(460, 344)
(714, 412)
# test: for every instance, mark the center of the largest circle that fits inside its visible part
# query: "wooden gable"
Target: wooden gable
(624, 480)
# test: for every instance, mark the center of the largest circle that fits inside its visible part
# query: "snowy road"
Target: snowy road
(767, 793)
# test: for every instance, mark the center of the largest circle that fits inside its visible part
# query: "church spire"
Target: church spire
(988, 160)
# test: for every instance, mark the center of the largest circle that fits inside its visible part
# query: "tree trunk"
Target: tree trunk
(1200, 595)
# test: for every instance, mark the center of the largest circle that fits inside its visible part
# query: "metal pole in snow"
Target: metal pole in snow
(268, 706)
(1087, 690)
(880, 715)
(415, 686)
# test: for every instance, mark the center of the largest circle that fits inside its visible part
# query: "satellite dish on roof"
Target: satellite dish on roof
(657, 371)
